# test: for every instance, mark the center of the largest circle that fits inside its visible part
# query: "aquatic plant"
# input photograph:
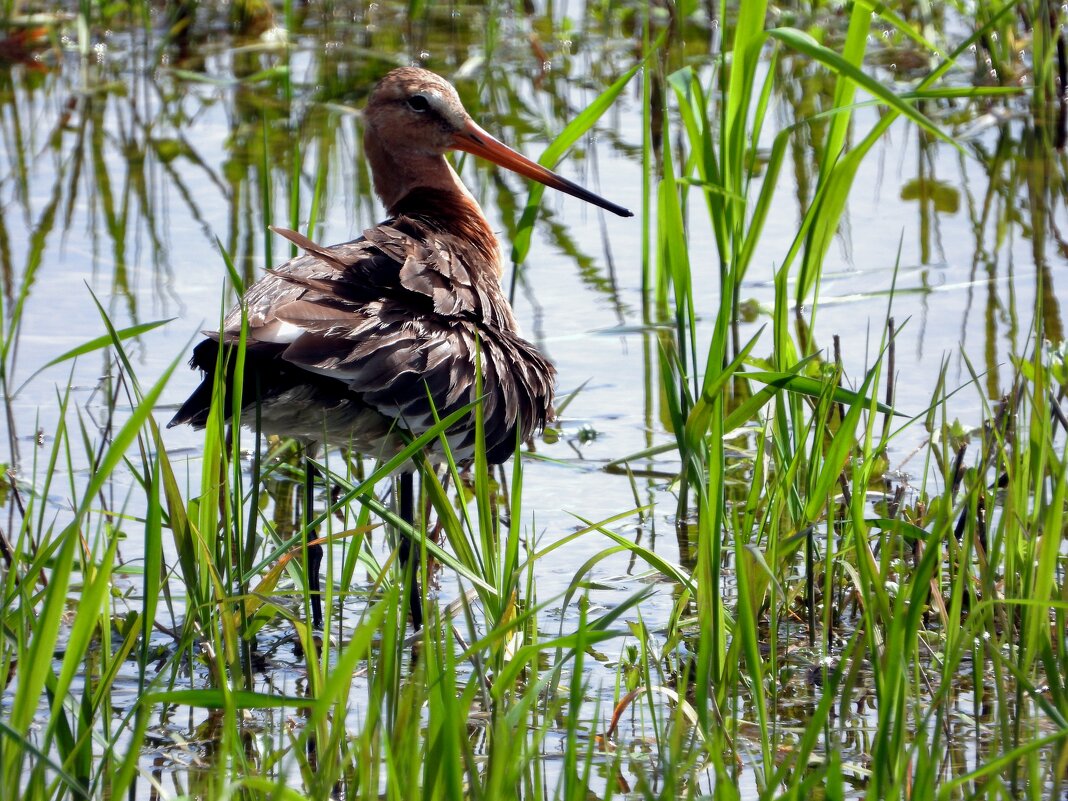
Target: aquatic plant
(857, 451)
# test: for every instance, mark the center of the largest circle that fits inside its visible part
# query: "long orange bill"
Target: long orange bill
(476, 141)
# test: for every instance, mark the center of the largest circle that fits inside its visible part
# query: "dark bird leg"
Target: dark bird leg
(409, 551)
(315, 552)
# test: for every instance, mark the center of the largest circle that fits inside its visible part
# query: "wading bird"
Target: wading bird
(349, 344)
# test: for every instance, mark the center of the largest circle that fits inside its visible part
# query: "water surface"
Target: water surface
(125, 168)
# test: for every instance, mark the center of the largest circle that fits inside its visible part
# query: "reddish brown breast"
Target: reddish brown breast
(458, 216)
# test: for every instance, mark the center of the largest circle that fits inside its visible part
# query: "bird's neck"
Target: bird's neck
(426, 185)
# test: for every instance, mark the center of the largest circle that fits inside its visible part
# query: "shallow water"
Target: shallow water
(127, 170)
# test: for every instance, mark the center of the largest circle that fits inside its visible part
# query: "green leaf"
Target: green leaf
(99, 342)
(805, 44)
(814, 388)
(572, 132)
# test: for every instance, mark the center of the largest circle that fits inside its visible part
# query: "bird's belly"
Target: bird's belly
(304, 413)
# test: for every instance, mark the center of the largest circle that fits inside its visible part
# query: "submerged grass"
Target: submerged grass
(808, 588)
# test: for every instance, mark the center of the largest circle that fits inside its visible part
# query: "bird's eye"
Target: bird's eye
(418, 103)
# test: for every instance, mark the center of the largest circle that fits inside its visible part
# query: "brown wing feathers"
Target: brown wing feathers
(386, 320)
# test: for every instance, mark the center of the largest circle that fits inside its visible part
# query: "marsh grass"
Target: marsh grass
(807, 584)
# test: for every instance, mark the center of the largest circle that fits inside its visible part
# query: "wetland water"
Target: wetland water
(124, 165)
